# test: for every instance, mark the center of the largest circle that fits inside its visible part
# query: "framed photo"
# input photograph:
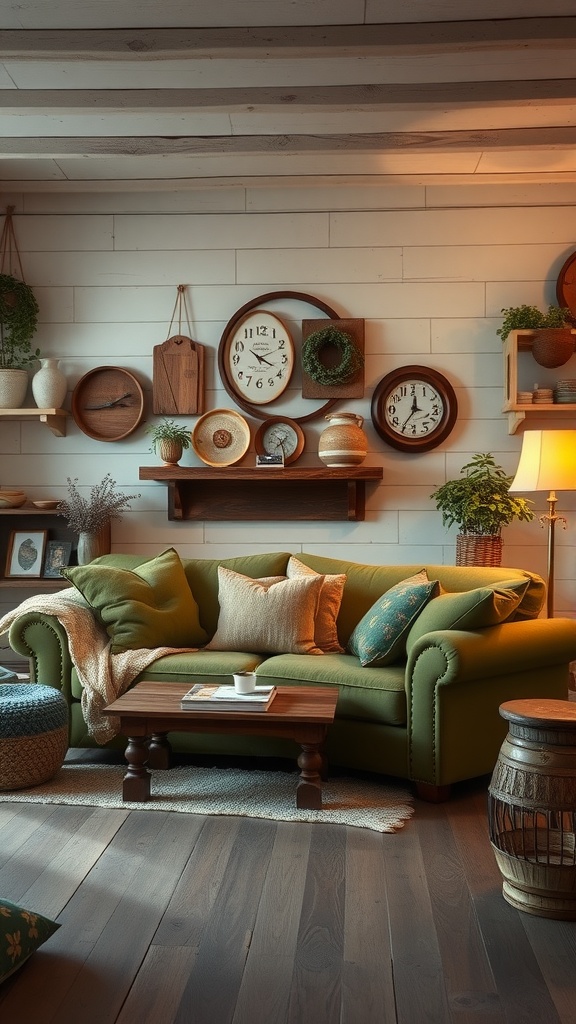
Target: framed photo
(26, 552)
(57, 555)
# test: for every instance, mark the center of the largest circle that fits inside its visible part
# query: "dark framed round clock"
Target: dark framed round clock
(414, 408)
(279, 435)
(258, 357)
(108, 403)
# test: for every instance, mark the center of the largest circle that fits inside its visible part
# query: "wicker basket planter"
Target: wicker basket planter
(478, 549)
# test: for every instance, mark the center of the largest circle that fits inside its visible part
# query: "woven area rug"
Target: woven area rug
(254, 794)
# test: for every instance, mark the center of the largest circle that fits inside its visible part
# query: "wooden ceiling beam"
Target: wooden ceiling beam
(336, 97)
(497, 139)
(293, 42)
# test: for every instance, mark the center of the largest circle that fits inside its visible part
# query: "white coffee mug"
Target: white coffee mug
(244, 682)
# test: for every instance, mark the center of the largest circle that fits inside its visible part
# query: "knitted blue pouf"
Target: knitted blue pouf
(33, 734)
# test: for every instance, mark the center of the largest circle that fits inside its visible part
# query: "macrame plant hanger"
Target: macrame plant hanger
(178, 367)
(10, 262)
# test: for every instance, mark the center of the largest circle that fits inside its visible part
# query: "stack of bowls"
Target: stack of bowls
(11, 499)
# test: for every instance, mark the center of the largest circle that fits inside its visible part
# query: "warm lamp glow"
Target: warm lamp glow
(547, 463)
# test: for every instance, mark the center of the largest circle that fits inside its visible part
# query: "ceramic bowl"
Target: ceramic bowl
(47, 503)
(12, 499)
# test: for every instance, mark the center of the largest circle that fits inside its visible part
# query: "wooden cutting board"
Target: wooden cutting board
(178, 377)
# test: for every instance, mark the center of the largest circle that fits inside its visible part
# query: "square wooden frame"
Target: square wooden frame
(17, 539)
(52, 564)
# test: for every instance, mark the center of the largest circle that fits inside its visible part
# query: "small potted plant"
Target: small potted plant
(169, 440)
(18, 323)
(480, 504)
(553, 342)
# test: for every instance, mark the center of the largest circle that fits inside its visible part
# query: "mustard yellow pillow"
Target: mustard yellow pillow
(149, 606)
(270, 618)
(325, 629)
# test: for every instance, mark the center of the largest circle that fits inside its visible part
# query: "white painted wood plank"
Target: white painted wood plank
(211, 266)
(291, 230)
(56, 234)
(318, 265)
(334, 197)
(191, 201)
(479, 263)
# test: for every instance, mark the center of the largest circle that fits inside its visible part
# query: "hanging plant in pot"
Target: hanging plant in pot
(480, 504)
(18, 323)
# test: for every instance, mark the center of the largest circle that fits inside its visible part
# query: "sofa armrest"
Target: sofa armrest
(456, 681)
(42, 639)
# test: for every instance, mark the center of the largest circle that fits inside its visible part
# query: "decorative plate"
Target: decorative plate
(108, 403)
(221, 437)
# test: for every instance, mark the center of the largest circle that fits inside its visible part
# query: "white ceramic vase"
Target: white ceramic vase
(49, 385)
(92, 545)
(343, 443)
(13, 388)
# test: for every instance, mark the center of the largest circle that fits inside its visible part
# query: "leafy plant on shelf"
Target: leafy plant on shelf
(168, 430)
(480, 502)
(18, 323)
(90, 515)
(530, 318)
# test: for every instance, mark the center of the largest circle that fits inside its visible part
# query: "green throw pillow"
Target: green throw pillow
(21, 933)
(149, 606)
(471, 609)
(380, 636)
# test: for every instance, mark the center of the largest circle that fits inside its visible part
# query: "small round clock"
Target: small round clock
(280, 436)
(414, 408)
(258, 357)
(108, 403)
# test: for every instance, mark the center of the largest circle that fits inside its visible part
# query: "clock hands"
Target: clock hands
(415, 409)
(261, 359)
(110, 405)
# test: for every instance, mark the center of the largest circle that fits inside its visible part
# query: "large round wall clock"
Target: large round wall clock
(108, 403)
(414, 408)
(279, 435)
(258, 357)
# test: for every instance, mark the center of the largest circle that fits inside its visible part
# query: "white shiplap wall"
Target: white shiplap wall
(428, 269)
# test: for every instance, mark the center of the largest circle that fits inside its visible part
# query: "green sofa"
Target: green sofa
(430, 717)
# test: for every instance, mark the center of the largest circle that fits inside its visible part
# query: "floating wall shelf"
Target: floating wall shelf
(521, 341)
(265, 494)
(55, 419)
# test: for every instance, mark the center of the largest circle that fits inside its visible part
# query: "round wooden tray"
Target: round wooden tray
(108, 403)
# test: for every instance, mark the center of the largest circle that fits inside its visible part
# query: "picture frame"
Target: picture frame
(56, 556)
(26, 553)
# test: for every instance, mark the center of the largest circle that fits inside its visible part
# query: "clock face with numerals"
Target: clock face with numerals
(258, 357)
(414, 408)
(280, 436)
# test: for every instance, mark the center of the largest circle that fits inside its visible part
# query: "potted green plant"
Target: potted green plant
(553, 342)
(480, 504)
(169, 440)
(18, 323)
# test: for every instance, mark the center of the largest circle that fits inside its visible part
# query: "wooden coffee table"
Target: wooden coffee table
(151, 710)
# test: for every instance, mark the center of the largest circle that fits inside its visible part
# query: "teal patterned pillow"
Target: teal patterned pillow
(21, 932)
(380, 636)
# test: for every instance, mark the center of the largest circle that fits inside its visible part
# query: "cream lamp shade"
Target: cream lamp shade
(547, 461)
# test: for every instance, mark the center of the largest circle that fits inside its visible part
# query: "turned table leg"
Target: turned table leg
(159, 751)
(136, 785)
(311, 765)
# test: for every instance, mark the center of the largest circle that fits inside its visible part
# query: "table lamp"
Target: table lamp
(547, 463)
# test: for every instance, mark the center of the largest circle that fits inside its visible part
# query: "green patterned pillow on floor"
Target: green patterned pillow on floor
(21, 933)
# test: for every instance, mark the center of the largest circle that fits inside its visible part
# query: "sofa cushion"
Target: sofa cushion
(266, 618)
(380, 636)
(378, 695)
(471, 609)
(148, 606)
(325, 631)
(22, 931)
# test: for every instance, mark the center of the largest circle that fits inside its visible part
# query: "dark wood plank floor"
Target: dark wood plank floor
(180, 919)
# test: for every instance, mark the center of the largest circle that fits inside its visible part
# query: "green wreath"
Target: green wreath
(350, 363)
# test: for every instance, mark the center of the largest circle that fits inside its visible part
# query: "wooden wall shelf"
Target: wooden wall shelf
(55, 419)
(521, 341)
(265, 494)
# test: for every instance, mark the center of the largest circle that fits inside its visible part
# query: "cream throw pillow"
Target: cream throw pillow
(276, 618)
(325, 630)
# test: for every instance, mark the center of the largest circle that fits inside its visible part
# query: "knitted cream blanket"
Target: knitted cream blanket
(104, 676)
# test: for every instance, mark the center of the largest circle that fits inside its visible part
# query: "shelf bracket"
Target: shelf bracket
(55, 421)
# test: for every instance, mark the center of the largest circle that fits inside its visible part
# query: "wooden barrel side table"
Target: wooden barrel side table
(532, 807)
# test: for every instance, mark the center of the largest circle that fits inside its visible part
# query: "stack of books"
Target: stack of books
(202, 697)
